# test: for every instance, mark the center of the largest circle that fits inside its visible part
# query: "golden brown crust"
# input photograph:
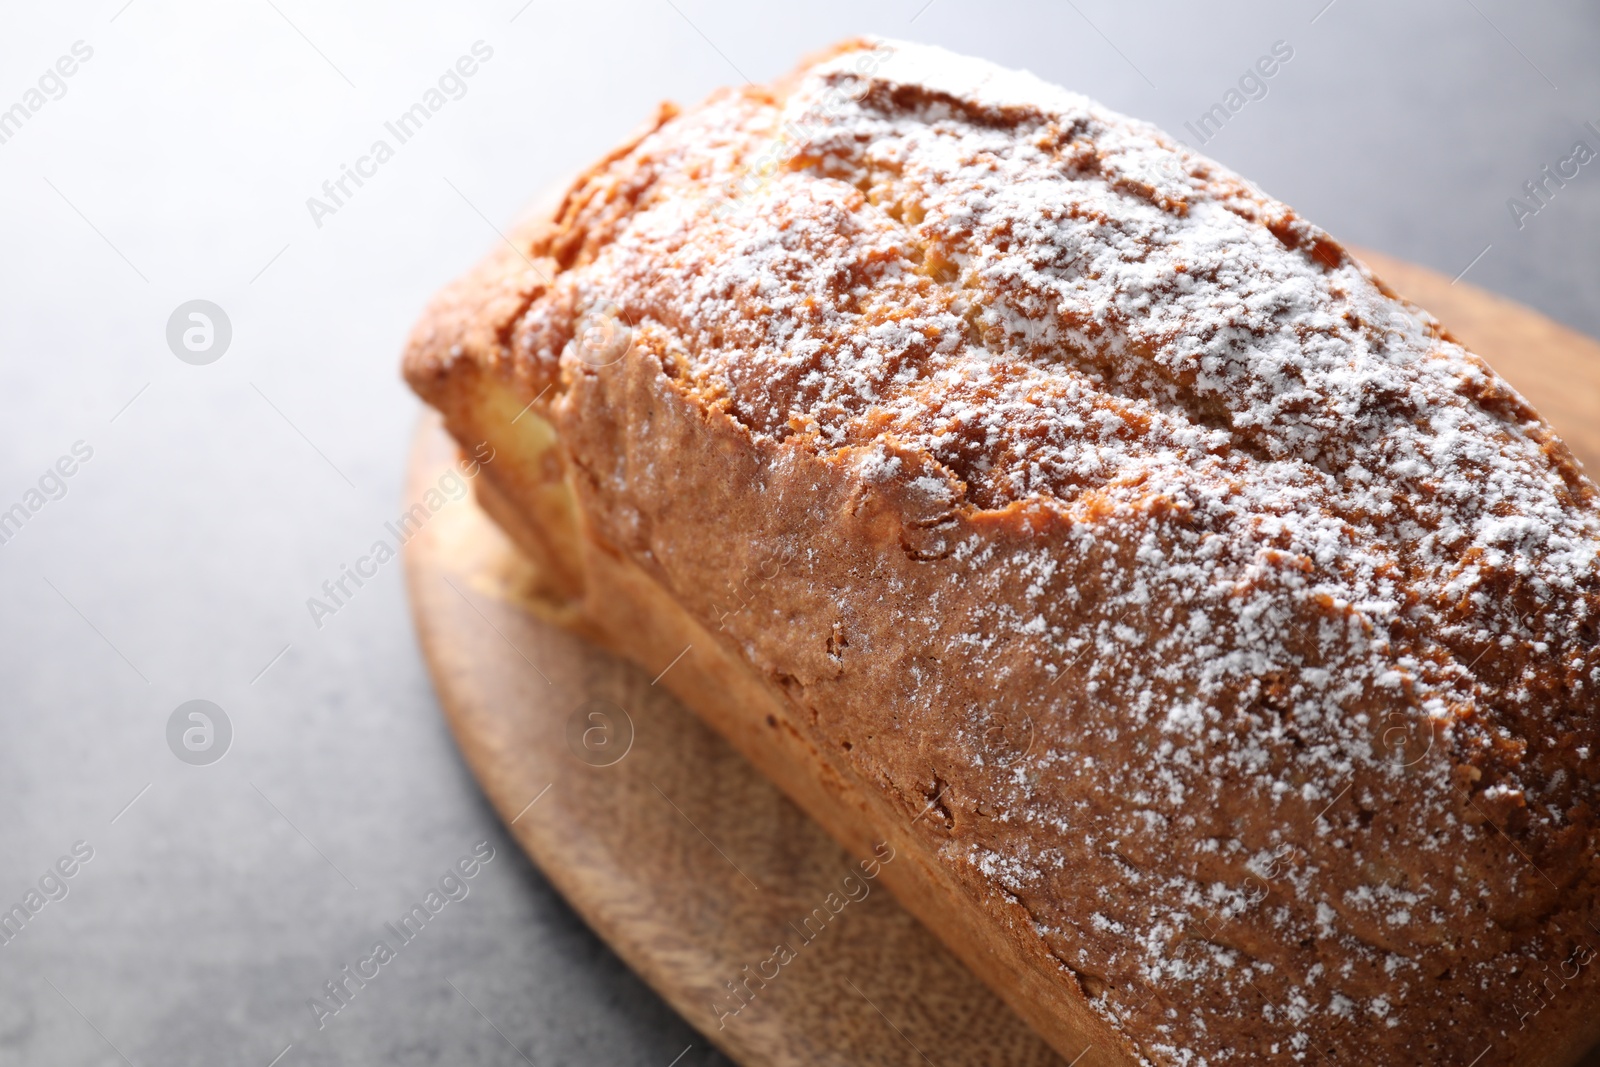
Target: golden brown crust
(1218, 628)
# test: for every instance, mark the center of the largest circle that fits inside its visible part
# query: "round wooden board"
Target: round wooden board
(688, 862)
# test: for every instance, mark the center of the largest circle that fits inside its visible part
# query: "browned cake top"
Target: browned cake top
(1376, 566)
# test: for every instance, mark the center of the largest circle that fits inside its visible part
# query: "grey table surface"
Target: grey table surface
(175, 164)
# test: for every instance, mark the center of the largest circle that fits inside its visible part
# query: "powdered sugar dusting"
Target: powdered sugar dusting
(1319, 590)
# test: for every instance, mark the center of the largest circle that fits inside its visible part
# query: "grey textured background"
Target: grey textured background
(179, 562)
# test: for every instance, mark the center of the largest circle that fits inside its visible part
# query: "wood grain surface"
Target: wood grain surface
(688, 862)
(680, 855)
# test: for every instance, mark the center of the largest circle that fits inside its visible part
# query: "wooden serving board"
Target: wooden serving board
(687, 861)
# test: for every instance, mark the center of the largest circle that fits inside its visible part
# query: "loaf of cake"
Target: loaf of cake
(1215, 639)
